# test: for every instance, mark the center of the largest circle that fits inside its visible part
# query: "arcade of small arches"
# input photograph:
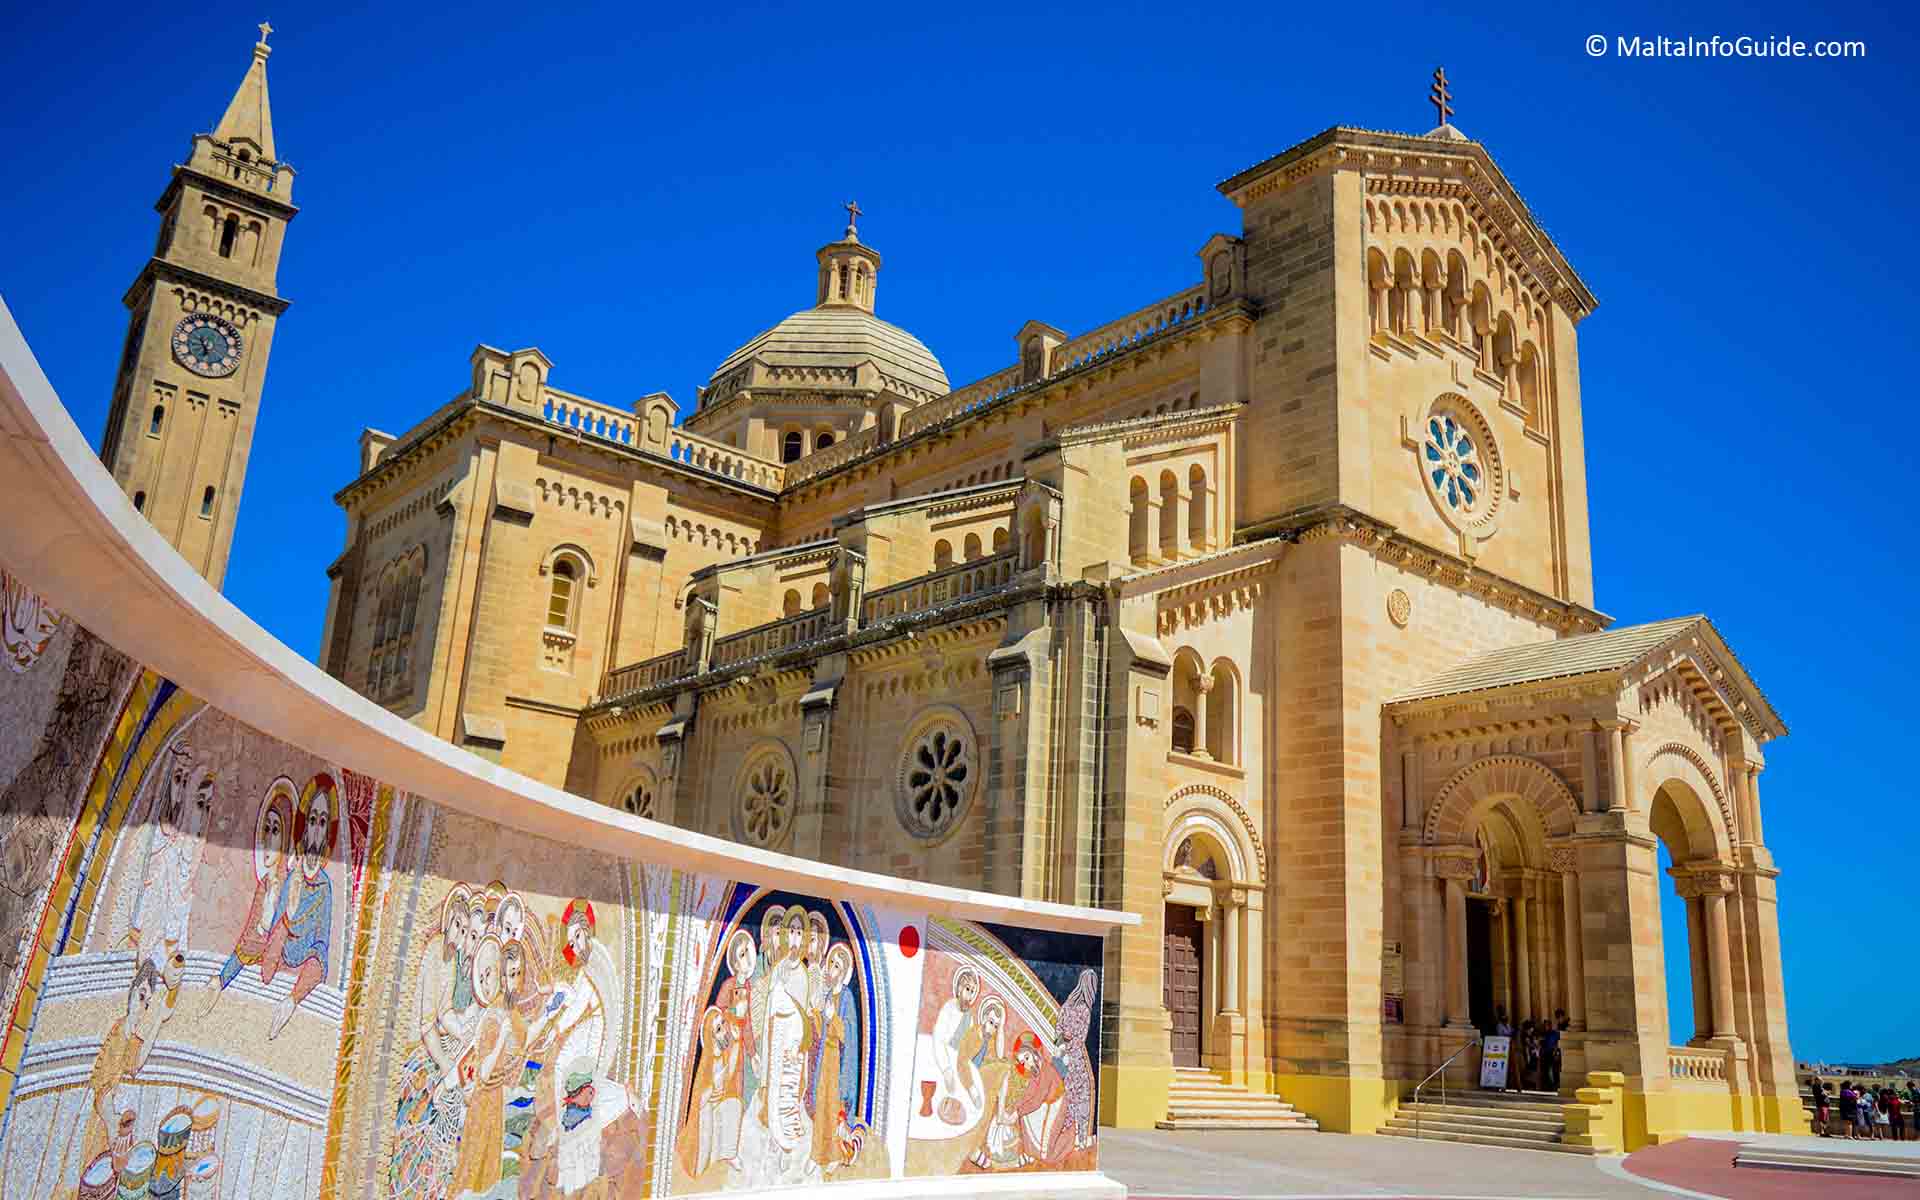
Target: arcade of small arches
(1171, 517)
(1206, 707)
(1423, 285)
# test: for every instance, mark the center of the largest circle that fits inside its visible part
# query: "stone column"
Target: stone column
(1434, 310)
(1382, 314)
(1456, 949)
(1571, 932)
(1753, 801)
(1620, 795)
(1230, 1000)
(1202, 688)
(1703, 1000)
(1522, 962)
(1720, 965)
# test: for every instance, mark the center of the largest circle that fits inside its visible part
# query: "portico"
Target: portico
(1542, 783)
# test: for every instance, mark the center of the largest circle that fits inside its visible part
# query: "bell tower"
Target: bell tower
(203, 314)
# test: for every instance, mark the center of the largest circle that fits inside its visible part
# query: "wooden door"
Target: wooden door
(1185, 958)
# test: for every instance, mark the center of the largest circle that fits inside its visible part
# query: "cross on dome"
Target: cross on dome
(853, 216)
(265, 29)
(1440, 97)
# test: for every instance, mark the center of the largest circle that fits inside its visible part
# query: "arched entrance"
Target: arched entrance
(1212, 875)
(1694, 850)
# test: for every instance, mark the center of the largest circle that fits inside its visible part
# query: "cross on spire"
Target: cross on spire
(853, 215)
(265, 29)
(1440, 97)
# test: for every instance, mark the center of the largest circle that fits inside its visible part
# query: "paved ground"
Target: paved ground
(1255, 1166)
(1705, 1164)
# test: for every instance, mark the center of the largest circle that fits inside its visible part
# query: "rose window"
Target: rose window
(766, 803)
(1453, 464)
(936, 780)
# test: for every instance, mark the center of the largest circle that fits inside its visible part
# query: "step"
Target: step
(1233, 1104)
(1294, 1123)
(1478, 1121)
(1476, 1139)
(1456, 1125)
(1489, 1100)
(1807, 1160)
(1555, 1117)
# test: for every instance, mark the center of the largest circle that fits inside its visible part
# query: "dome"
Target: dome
(842, 336)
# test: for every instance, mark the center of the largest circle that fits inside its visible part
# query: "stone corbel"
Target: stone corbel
(1710, 879)
(1453, 862)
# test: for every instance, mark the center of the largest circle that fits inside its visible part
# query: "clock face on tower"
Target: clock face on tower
(206, 345)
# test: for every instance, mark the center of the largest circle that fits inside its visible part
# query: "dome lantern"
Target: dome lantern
(848, 270)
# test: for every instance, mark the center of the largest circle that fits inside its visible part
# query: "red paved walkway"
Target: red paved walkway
(1706, 1165)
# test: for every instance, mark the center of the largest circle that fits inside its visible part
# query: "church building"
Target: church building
(1265, 611)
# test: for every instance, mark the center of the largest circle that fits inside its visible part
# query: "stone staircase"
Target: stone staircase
(1200, 1099)
(1518, 1121)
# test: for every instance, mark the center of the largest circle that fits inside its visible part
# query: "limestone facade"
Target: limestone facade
(1270, 602)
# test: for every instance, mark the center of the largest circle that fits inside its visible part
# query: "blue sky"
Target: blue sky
(638, 189)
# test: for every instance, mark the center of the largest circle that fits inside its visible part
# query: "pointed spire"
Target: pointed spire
(249, 118)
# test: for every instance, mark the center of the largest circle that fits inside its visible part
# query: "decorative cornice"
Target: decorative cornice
(1340, 523)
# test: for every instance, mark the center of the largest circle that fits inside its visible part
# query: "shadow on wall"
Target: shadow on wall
(236, 967)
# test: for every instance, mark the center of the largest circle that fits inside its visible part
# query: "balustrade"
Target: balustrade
(1130, 330)
(772, 636)
(649, 673)
(590, 419)
(690, 449)
(1686, 1064)
(822, 461)
(940, 587)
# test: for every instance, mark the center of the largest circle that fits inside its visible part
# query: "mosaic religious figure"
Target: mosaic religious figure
(272, 862)
(162, 902)
(302, 926)
(775, 1091)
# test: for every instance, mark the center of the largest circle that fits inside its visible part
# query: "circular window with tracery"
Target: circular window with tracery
(764, 801)
(637, 798)
(1461, 465)
(938, 776)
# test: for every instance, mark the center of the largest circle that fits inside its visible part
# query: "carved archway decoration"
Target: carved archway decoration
(1500, 775)
(1196, 796)
(1693, 757)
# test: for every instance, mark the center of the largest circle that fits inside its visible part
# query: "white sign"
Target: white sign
(1493, 1061)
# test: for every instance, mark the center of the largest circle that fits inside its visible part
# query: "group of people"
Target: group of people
(775, 1094)
(1863, 1112)
(513, 1011)
(1534, 1059)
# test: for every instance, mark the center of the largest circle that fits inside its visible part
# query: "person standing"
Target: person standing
(1896, 1115)
(1849, 1110)
(1882, 1122)
(1550, 1054)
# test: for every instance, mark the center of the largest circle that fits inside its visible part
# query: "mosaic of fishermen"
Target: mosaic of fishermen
(517, 1022)
(777, 1082)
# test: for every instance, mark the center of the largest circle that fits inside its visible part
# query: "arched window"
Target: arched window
(821, 595)
(1197, 507)
(1169, 515)
(1139, 515)
(159, 416)
(1000, 538)
(972, 546)
(942, 554)
(1035, 538)
(1222, 700)
(790, 603)
(140, 502)
(1182, 731)
(229, 229)
(560, 599)
(792, 446)
(206, 502)
(822, 441)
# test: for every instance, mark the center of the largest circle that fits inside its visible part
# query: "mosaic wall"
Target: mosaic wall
(236, 970)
